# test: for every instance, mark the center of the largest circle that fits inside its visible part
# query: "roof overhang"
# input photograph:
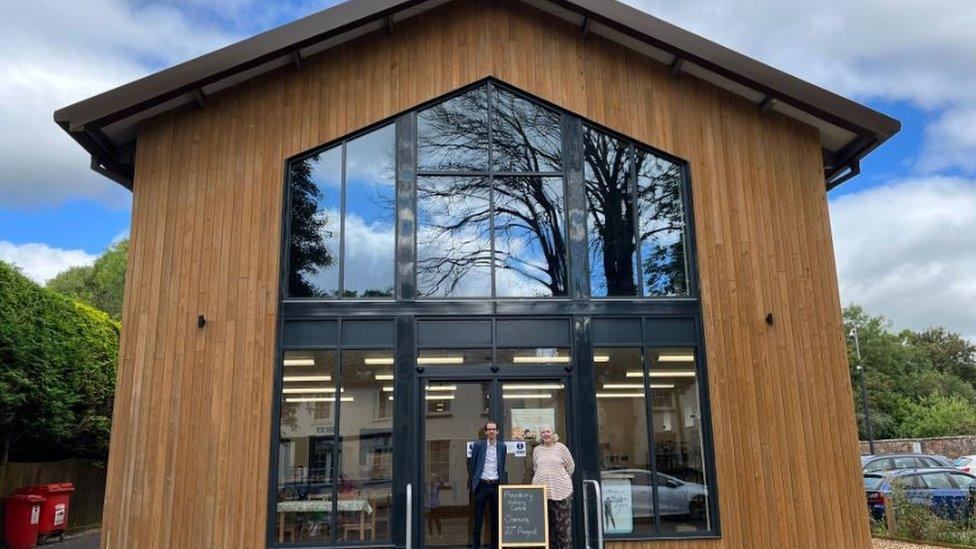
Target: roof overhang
(105, 125)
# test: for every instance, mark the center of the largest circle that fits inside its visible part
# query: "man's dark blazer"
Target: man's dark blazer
(476, 465)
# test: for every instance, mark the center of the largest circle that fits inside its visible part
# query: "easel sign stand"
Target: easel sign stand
(523, 515)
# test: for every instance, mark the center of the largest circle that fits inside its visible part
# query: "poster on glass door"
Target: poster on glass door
(527, 422)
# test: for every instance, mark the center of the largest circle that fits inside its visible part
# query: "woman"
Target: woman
(554, 466)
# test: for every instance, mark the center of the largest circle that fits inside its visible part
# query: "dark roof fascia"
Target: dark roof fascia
(186, 77)
(84, 119)
(690, 47)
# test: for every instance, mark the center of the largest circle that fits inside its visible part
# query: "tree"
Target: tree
(941, 416)
(57, 372)
(915, 380)
(101, 285)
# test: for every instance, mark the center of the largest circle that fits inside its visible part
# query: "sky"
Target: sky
(904, 230)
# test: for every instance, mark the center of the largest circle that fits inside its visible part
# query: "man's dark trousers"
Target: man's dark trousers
(486, 495)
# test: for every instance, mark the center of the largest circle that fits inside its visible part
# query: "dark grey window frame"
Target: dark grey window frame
(577, 306)
(572, 127)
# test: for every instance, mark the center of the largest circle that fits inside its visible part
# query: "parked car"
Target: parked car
(676, 497)
(947, 492)
(966, 464)
(873, 482)
(893, 462)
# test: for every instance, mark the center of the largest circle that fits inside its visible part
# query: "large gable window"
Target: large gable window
(489, 216)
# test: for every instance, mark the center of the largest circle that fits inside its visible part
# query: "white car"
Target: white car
(675, 497)
(966, 464)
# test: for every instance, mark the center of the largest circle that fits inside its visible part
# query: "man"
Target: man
(486, 468)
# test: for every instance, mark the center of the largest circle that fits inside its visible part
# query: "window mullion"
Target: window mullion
(635, 194)
(342, 226)
(491, 193)
(336, 441)
(649, 404)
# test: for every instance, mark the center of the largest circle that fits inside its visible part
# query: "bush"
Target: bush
(57, 373)
(917, 522)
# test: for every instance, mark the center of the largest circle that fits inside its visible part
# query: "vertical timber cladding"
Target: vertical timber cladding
(189, 449)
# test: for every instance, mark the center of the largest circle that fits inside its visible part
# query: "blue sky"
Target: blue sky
(903, 230)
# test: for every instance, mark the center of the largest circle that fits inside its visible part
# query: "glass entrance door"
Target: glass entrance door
(455, 412)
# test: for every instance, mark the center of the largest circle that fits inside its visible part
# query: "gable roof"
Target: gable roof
(105, 124)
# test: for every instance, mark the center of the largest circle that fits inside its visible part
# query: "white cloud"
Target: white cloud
(41, 262)
(906, 250)
(919, 51)
(55, 53)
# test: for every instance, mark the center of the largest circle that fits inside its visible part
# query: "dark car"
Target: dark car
(947, 492)
(895, 462)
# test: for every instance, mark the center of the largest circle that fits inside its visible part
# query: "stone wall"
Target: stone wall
(951, 447)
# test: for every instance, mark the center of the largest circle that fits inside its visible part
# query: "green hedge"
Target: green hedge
(57, 373)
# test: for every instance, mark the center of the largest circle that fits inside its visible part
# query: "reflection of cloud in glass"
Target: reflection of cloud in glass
(370, 215)
(453, 237)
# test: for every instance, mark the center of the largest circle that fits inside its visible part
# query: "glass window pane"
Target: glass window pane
(610, 215)
(678, 450)
(545, 356)
(445, 490)
(453, 237)
(370, 214)
(962, 480)
(525, 137)
(453, 135)
(454, 357)
(628, 498)
(937, 481)
(662, 224)
(313, 240)
(530, 240)
(305, 449)
(366, 446)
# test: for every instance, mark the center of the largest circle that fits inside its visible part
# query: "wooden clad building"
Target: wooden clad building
(359, 237)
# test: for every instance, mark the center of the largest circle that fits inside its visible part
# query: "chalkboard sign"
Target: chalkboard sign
(523, 520)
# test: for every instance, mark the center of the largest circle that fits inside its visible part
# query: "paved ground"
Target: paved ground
(89, 540)
(890, 544)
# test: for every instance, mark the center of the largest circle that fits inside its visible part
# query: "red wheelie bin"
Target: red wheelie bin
(21, 515)
(54, 508)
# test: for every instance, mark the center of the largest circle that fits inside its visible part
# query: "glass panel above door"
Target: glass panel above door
(534, 357)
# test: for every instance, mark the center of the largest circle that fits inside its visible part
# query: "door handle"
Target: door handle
(409, 538)
(599, 512)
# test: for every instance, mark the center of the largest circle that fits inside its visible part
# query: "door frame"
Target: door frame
(495, 377)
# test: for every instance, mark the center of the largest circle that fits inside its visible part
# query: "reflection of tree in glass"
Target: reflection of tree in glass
(611, 211)
(453, 135)
(307, 252)
(528, 209)
(525, 137)
(661, 225)
(456, 212)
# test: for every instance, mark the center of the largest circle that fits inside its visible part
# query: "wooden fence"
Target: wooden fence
(87, 476)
